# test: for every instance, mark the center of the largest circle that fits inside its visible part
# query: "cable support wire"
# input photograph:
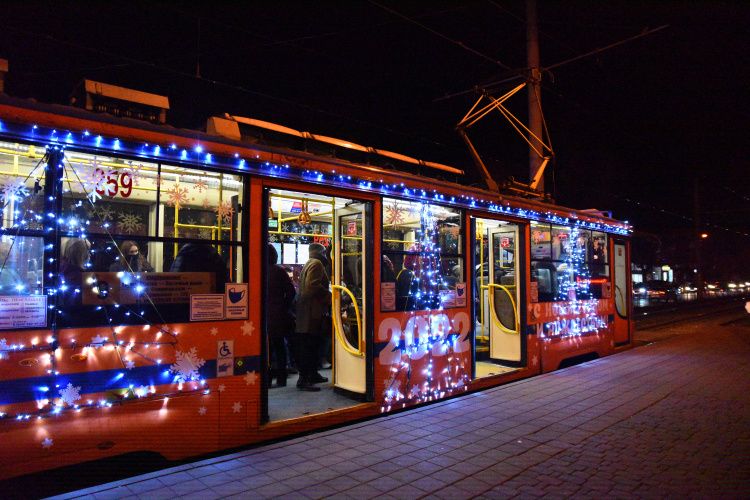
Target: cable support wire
(444, 37)
(219, 83)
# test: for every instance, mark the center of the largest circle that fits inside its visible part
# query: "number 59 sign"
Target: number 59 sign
(114, 182)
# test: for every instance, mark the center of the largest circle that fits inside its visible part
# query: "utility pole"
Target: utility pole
(534, 89)
(698, 238)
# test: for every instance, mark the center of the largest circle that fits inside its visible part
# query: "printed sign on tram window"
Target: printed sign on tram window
(134, 288)
(388, 296)
(207, 307)
(235, 301)
(460, 294)
(23, 311)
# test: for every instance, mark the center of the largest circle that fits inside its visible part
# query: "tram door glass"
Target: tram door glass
(297, 220)
(497, 294)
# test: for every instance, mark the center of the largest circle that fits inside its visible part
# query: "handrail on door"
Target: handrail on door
(502, 327)
(336, 317)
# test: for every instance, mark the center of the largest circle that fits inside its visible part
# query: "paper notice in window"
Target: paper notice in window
(23, 311)
(388, 296)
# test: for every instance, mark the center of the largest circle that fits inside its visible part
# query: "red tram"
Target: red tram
(133, 284)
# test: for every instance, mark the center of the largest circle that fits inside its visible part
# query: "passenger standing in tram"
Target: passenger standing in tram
(313, 306)
(280, 295)
(195, 258)
(407, 283)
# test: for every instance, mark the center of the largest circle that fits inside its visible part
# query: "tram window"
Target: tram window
(200, 205)
(422, 253)
(109, 195)
(21, 265)
(553, 251)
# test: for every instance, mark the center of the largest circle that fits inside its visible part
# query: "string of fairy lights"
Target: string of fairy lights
(55, 226)
(433, 332)
(59, 291)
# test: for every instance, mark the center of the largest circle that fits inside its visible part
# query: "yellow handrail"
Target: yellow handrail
(494, 312)
(336, 317)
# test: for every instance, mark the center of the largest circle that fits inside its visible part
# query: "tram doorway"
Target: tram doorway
(318, 361)
(498, 297)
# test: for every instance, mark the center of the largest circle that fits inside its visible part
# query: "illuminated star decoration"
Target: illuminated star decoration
(47, 443)
(236, 407)
(248, 328)
(251, 378)
(202, 410)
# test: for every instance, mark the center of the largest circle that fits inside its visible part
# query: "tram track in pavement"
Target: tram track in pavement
(656, 324)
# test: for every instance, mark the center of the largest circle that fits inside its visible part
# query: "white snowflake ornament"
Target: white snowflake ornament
(186, 365)
(236, 407)
(13, 190)
(47, 443)
(214, 331)
(70, 394)
(130, 364)
(202, 410)
(177, 196)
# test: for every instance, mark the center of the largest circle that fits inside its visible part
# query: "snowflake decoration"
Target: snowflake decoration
(236, 407)
(225, 210)
(186, 365)
(130, 223)
(134, 172)
(200, 185)
(214, 331)
(47, 443)
(130, 364)
(104, 212)
(14, 190)
(202, 410)
(98, 341)
(70, 394)
(396, 214)
(177, 196)
(248, 328)
(251, 378)
(93, 179)
(206, 203)
(221, 388)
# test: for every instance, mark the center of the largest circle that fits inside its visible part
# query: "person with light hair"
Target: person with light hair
(74, 261)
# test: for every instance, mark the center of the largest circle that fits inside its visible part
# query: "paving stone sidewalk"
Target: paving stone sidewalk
(666, 419)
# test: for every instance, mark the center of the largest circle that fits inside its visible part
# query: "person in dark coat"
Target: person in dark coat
(313, 312)
(130, 260)
(280, 295)
(195, 258)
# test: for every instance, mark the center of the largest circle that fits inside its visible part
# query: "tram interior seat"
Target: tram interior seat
(545, 274)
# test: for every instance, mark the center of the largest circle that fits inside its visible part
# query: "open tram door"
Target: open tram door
(498, 306)
(350, 282)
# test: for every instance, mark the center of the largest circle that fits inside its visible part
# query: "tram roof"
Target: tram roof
(70, 118)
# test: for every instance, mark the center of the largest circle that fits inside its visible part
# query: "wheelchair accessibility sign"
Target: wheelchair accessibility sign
(225, 358)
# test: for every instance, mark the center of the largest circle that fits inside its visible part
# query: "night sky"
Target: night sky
(635, 128)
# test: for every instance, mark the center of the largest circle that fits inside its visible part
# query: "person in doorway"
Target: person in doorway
(313, 317)
(280, 295)
(130, 260)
